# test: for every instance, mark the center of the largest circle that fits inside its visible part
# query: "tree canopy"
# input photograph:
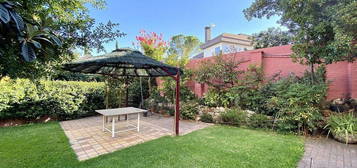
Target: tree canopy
(152, 44)
(323, 29)
(219, 73)
(271, 37)
(48, 34)
(181, 48)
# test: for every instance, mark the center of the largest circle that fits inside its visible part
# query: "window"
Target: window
(217, 51)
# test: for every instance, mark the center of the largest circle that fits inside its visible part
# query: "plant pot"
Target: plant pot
(153, 109)
(342, 138)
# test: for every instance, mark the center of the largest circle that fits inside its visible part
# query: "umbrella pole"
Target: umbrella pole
(126, 95)
(106, 94)
(177, 111)
(141, 94)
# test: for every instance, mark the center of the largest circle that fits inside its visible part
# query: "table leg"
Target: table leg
(113, 126)
(103, 122)
(138, 122)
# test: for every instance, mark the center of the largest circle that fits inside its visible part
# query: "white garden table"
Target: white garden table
(115, 113)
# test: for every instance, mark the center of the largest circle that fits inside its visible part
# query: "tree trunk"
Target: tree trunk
(119, 97)
(106, 94)
(312, 73)
(149, 85)
(126, 95)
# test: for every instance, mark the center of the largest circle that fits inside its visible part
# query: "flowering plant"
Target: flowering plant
(152, 44)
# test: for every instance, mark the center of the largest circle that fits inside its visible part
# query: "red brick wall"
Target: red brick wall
(342, 75)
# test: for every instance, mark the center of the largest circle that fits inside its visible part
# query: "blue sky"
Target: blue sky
(172, 17)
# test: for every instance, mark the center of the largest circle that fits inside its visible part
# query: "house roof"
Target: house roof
(198, 56)
(241, 39)
(278, 51)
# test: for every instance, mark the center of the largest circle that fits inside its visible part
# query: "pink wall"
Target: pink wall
(353, 79)
(338, 76)
(282, 65)
(342, 75)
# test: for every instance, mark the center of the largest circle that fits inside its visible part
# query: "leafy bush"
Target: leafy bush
(235, 117)
(135, 91)
(247, 98)
(22, 98)
(170, 111)
(189, 110)
(245, 93)
(298, 106)
(214, 98)
(220, 73)
(260, 121)
(342, 125)
(156, 102)
(205, 117)
(168, 88)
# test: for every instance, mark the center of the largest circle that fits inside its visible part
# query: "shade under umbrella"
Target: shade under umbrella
(123, 62)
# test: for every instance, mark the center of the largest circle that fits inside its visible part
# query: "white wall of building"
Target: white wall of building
(225, 48)
(210, 51)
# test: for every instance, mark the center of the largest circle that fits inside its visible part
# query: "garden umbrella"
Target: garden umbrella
(129, 63)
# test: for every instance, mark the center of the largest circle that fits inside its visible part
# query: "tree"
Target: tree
(43, 21)
(271, 37)
(93, 37)
(178, 55)
(345, 23)
(318, 38)
(30, 36)
(152, 44)
(180, 50)
(220, 73)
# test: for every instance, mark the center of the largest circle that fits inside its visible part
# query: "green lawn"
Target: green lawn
(45, 145)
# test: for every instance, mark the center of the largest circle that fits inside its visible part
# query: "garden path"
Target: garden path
(328, 153)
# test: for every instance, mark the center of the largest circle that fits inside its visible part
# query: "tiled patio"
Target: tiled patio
(328, 153)
(88, 139)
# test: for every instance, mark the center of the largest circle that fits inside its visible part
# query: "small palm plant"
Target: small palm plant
(343, 127)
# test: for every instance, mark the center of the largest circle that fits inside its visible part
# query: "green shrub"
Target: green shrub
(246, 93)
(63, 100)
(298, 106)
(168, 88)
(235, 117)
(205, 117)
(135, 91)
(260, 121)
(247, 98)
(342, 125)
(189, 110)
(214, 98)
(156, 102)
(170, 111)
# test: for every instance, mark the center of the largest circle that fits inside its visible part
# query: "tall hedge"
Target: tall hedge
(63, 100)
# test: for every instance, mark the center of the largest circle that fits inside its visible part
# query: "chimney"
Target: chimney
(207, 33)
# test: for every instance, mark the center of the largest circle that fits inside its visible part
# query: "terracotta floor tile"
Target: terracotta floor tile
(88, 139)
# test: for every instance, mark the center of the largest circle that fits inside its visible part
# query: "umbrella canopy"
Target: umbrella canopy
(127, 62)
(123, 62)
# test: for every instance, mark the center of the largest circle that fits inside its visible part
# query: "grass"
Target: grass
(45, 145)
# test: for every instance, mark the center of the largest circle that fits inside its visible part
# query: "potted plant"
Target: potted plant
(343, 127)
